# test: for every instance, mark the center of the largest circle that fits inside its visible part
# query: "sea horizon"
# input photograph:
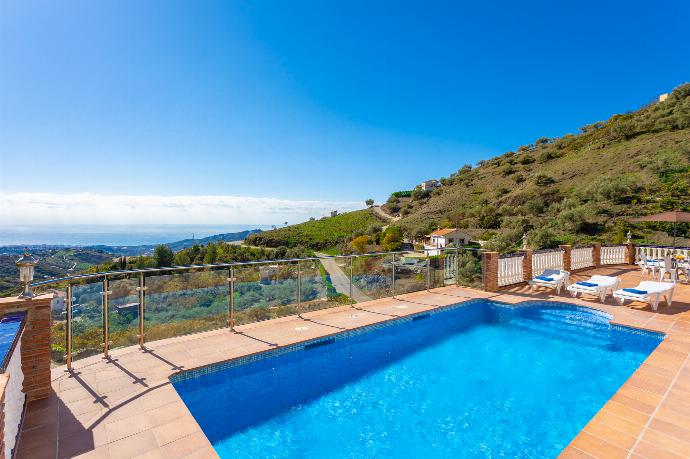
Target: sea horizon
(113, 235)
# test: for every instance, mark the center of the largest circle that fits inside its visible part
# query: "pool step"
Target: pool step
(573, 332)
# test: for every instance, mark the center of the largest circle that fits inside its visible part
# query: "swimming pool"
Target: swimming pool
(479, 379)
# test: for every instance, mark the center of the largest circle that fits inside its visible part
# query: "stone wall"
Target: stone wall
(35, 343)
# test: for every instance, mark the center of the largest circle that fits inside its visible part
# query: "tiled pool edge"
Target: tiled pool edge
(299, 345)
(557, 302)
(124, 404)
(392, 321)
(620, 428)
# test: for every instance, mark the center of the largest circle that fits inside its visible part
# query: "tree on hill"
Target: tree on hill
(211, 254)
(392, 238)
(369, 202)
(163, 256)
(359, 244)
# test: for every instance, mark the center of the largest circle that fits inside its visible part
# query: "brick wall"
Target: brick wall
(567, 256)
(527, 264)
(490, 269)
(631, 254)
(596, 254)
(35, 344)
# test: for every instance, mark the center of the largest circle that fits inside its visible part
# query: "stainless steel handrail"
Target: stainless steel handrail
(210, 266)
(107, 277)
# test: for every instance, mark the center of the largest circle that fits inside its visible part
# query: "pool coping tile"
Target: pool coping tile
(126, 405)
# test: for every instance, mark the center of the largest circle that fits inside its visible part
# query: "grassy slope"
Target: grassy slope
(316, 234)
(631, 164)
(573, 173)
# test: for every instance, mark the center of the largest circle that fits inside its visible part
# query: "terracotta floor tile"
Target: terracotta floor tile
(573, 453)
(610, 434)
(75, 445)
(153, 454)
(179, 428)
(98, 453)
(680, 432)
(619, 423)
(41, 450)
(597, 447)
(100, 394)
(626, 412)
(668, 442)
(650, 451)
(635, 403)
(118, 430)
(185, 446)
(205, 453)
(132, 446)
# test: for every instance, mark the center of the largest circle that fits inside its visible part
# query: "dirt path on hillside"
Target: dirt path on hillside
(340, 280)
(381, 213)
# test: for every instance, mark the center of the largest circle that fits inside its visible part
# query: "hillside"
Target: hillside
(57, 260)
(133, 250)
(320, 234)
(52, 262)
(577, 188)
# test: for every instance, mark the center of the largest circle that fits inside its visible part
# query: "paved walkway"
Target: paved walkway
(341, 281)
(126, 407)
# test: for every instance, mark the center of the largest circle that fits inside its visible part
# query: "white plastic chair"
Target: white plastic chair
(668, 268)
(646, 267)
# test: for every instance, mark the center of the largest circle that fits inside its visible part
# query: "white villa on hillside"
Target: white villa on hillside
(443, 237)
(430, 185)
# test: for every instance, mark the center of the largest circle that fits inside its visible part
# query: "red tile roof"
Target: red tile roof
(444, 231)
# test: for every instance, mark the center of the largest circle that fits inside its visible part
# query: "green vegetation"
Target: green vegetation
(191, 302)
(402, 194)
(52, 262)
(316, 234)
(574, 189)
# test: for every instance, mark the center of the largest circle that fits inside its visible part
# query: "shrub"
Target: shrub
(392, 238)
(163, 255)
(621, 189)
(543, 179)
(402, 194)
(359, 244)
(526, 159)
(419, 194)
(489, 218)
(542, 238)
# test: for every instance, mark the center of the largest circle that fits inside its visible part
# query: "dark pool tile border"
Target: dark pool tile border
(315, 342)
(242, 360)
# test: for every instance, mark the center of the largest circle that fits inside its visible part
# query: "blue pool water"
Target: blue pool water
(9, 327)
(478, 380)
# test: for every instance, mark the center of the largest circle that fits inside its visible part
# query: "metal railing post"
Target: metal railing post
(393, 274)
(457, 266)
(352, 300)
(142, 308)
(299, 290)
(428, 271)
(106, 333)
(68, 328)
(231, 299)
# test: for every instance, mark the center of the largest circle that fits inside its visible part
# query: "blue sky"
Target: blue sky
(306, 101)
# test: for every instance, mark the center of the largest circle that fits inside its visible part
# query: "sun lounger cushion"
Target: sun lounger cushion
(635, 291)
(587, 284)
(545, 278)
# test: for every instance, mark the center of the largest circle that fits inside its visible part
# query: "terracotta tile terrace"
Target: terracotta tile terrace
(125, 406)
